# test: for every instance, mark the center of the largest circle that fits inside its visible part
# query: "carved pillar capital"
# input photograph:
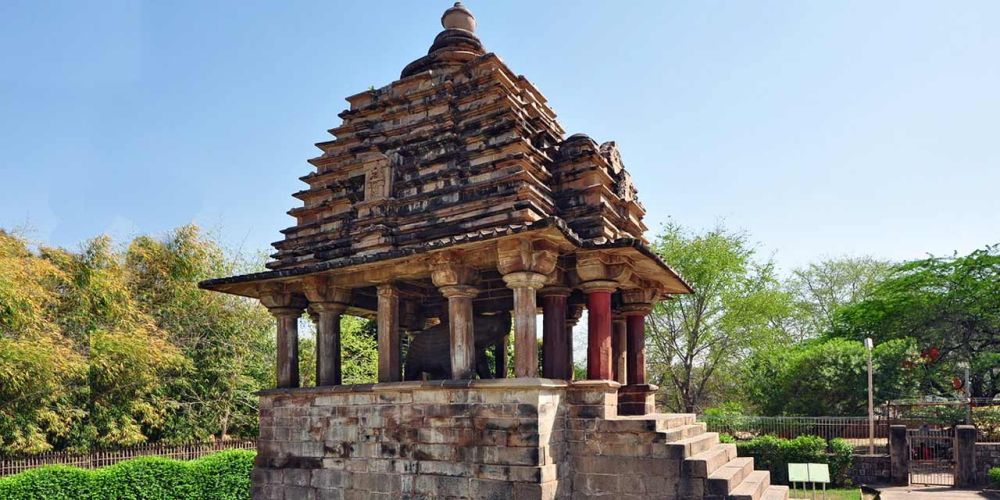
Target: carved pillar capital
(387, 290)
(599, 286)
(646, 296)
(600, 266)
(327, 307)
(280, 301)
(449, 268)
(555, 291)
(524, 279)
(524, 254)
(322, 289)
(459, 291)
(286, 312)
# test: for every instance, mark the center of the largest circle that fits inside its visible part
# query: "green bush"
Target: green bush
(774, 454)
(994, 474)
(222, 476)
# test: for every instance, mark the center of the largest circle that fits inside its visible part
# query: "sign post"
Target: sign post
(869, 344)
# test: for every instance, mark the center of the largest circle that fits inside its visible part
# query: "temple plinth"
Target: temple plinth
(451, 208)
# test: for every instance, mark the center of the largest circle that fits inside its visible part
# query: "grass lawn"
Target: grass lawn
(831, 494)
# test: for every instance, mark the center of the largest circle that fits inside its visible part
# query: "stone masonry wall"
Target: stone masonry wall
(489, 439)
(498, 439)
(987, 456)
(870, 469)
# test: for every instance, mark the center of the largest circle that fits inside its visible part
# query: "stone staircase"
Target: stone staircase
(709, 469)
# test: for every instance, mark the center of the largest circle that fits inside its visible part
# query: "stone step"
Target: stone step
(687, 447)
(726, 478)
(705, 463)
(752, 487)
(684, 431)
(641, 423)
(775, 493)
(671, 420)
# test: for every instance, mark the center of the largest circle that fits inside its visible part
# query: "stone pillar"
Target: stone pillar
(388, 334)
(899, 456)
(635, 351)
(288, 345)
(328, 359)
(965, 456)
(599, 329)
(525, 284)
(463, 341)
(327, 303)
(554, 331)
(450, 274)
(525, 264)
(618, 348)
(500, 357)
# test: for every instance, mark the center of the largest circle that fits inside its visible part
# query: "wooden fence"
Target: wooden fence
(101, 458)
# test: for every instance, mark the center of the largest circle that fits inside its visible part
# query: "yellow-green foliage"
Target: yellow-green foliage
(110, 346)
(116, 345)
(224, 475)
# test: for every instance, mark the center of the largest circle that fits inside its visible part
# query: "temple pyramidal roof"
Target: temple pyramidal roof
(458, 150)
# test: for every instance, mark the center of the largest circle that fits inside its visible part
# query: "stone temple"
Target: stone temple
(452, 209)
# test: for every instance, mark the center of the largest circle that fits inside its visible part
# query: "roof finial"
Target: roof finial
(458, 18)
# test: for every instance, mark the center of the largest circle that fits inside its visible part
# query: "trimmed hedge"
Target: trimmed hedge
(222, 476)
(774, 454)
(994, 475)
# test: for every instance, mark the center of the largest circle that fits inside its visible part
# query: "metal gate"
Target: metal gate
(932, 456)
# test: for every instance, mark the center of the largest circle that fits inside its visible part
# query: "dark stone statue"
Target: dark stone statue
(429, 350)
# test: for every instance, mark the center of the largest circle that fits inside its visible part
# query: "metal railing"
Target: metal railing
(852, 429)
(983, 413)
(100, 458)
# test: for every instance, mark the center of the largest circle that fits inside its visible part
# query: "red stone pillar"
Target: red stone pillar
(638, 397)
(636, 347)
(599, 329)
(554, 360)
(618, 348)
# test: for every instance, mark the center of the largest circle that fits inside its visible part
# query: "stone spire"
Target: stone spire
(457, 44)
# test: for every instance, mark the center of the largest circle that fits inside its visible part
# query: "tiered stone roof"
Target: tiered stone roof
(459, 146)
(460, 151)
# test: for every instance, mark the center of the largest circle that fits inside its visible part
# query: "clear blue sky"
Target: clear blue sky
(823, 128)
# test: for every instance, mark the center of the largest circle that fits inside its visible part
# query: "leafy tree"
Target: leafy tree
(227, 342)
(737, 307)
(130, 360)
(950, 305)
(42, 378)
(358, 351)
(830, 378)
(820, 289)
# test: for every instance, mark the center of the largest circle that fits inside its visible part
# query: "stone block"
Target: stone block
(485, 489)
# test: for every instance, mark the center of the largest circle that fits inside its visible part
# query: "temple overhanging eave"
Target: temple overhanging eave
(479, 250)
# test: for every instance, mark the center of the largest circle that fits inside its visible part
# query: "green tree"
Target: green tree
(821, 289)
(43, 377)
(738, 306)
(829, 377)
(130, 360)
(949, 305)
(226, 341)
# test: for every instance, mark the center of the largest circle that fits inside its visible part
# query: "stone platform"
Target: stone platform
(525, 438)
